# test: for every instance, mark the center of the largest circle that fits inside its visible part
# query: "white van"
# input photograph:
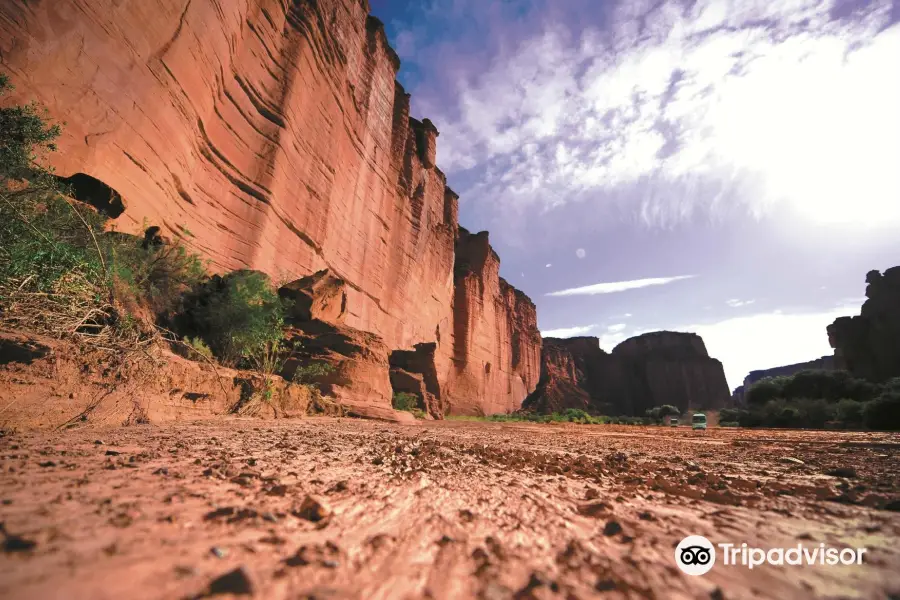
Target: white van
(698, 421)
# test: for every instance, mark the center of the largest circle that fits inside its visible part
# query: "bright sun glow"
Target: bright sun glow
(728, 107)
(821, 130)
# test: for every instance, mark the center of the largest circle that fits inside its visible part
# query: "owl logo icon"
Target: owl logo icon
(695, 555)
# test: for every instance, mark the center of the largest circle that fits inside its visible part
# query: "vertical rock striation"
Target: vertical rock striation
(272, 135)
(489, 356)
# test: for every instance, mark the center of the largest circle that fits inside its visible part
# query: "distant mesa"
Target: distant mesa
(649, 370)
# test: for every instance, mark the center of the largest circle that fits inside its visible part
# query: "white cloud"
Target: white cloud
(580, 253)
(567, 332)
(732, 105)
(767, 340)
(548, 265)
(617, 286)
(609, 339)
(735, 303)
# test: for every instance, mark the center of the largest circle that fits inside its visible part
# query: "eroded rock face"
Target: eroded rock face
(320, 296)
(415, 372)
(273, 132)
(488, 356)
(272, 135)
(640, 373)
(357, 378)
(868, 346)
(677, 370)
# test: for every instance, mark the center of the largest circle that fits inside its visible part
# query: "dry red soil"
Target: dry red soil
(324, 508)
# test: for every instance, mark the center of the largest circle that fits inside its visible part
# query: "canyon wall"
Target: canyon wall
(490, 357)
(642, 372)
(868, 345)
(272, 135)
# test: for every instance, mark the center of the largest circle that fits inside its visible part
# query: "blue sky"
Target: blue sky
(736, 163)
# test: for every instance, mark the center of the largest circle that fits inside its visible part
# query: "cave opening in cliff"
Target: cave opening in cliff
(91, 190)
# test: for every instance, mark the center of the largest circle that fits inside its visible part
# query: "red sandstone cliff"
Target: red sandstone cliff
(490, 357)
(273, 136)
(642, 372)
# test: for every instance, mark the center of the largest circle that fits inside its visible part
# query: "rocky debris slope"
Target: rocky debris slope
(642, 372)
(272, 135)
(356, 509)
(826, 363)
(51, 384)
(868, 345)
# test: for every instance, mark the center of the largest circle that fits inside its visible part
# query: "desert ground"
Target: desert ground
(344, 508)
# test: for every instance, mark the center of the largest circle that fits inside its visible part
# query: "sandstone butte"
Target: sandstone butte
(273, 136)
(642, 372)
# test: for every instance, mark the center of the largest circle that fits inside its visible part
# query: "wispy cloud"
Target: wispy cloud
(735, 303)
(671, 109)
(618, 286)
(567, 332)
(608, 339)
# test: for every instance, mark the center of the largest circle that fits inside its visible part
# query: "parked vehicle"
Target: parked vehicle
(673, 422)
(698, 421)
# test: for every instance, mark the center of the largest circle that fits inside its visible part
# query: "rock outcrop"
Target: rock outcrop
(826, 363)
(272, 135)
(415, 372)
(640, 373)
(489, 356)
(321, 296)
(868, 345)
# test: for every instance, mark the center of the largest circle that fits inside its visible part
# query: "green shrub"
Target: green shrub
(199, 347)
(405, 401)
(729, 424)
(762, 392)
(25, 137)
(156, 277)
(241, 319)
(312, 373)
(883, 413)
(730, 415)
(828, 385)
(803, 413)
(849, 412)
(658, 414)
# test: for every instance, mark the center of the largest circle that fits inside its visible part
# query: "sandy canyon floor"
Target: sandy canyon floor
(338, 508)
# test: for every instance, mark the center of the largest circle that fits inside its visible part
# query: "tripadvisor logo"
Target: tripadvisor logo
(696, 555)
